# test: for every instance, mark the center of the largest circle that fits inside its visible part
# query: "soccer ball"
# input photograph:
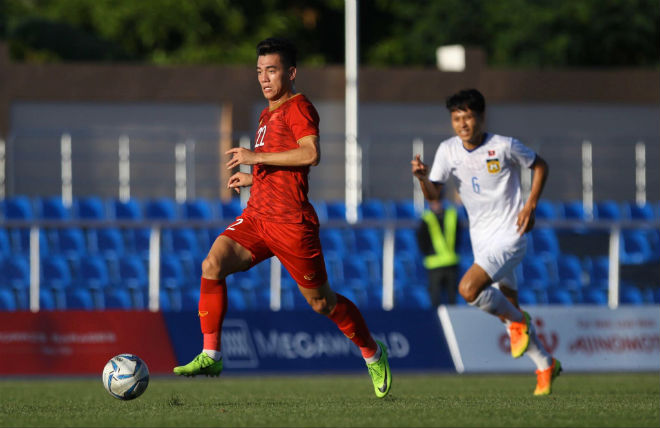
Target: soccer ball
(125, 376)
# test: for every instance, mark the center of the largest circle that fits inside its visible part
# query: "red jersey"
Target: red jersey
(279, 193)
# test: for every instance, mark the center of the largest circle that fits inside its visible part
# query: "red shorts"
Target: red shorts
(296, 245)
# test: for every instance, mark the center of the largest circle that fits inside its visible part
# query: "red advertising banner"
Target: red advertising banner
(81, 342)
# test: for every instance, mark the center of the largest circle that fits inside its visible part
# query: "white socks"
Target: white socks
(492, 300)
(216, 355)
(375, 357)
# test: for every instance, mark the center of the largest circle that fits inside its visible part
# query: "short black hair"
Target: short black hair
(467, 99)
(281, 46)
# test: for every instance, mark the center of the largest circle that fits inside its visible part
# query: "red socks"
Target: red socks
(349, 320)
(212, 310)
(213, 307)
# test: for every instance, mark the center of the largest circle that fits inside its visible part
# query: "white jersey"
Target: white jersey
(488, 182)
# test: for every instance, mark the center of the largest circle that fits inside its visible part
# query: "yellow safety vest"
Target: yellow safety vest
(444, 246)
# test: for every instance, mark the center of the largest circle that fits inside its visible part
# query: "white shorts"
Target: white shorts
(499, 259)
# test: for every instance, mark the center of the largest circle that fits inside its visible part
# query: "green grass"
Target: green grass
(594, 400)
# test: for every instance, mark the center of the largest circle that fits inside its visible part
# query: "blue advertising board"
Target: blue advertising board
(303, 341)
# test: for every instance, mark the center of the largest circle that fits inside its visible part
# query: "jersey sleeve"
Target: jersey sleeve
(303, 120)
(522, 154)
(440, 170)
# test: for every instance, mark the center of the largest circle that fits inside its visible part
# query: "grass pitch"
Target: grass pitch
(578, 400)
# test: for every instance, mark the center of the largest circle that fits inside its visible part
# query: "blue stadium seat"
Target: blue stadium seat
(545, 242)
(161, 209)
(336, 209)
(16, 272)
(197, 209)
(90, 208)
(171, 300)
(171, 272)
(130, 209)
(186, 241)
(230, 209)
(598, 270)
(631, 295)
(20, 241)
(334, 267)
(595, 296)
(94, 273)
(332, 240)
(133, 273)
(463, 242)
(190, 299)
(570, 272)
(47, 301)
(235, 300)
(355, 271)
(416, 298)
(535, 273)
(633, 211)
(110, 245)
(72, 246)
(79, 298)
(55, 272)
(634, 248)
(369, 239)
(187, 247)
(560, 296)
(405, 209)
(52, 208)
(72, 241)
(572, 210)
(118, 298)
(321, 209)
(19, 207)
(374, 209)
(607, 210)
(527, 296)
(653, 238)
(405, 240)
(5, 243)
(464, 264)
(546, 210)
(7, 300)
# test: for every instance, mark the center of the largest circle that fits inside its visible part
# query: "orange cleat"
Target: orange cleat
(545, 377)
(519, 336)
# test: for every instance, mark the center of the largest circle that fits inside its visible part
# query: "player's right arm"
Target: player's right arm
(430, 189)
(308, 153)
(238, 180)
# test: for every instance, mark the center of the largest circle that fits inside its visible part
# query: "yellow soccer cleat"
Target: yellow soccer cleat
(380, 373)
(201, 365)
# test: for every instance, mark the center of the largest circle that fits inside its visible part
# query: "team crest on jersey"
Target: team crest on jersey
(491, 152)
(493, 165)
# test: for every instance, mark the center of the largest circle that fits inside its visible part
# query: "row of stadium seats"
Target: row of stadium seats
(347, 250)
(543, 278)
(258, 298)
(26, 208)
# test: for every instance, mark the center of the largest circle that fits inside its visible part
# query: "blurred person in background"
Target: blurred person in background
(486, 170)
(436, 238)
(278, 220)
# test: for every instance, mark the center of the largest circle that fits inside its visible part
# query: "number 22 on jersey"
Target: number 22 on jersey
(261, 133)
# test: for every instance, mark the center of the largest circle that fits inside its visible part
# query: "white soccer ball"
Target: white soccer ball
(125, 376)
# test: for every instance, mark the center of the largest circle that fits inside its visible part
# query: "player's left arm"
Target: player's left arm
(526, 216)
(308, 153)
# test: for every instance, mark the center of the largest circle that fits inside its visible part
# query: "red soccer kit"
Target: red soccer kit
(279, 220)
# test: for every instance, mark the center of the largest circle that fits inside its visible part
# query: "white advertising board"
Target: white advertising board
(582, 337)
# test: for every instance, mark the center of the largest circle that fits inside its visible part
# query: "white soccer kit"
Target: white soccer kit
(488, 182)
